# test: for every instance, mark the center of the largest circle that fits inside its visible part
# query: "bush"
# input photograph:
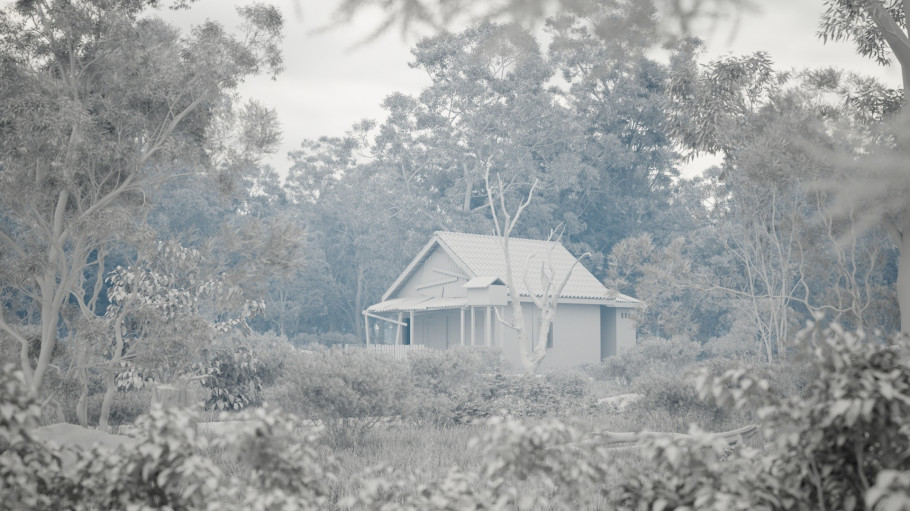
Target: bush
(233, 378)
(521, 395)
(524, 467)
(443, 379)
(163, 469)
(30, 473)
(647, 357)
(674, 394)
(841, 444)
(348, 390)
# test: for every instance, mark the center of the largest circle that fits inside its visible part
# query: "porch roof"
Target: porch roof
(417, 303)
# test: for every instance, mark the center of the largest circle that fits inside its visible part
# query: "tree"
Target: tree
(880, 189)
(98, 103)
(361, 219)
(781, 134)
(503, 224)
(679, 17)
(620, 140)
(487, 107)
(531, 351)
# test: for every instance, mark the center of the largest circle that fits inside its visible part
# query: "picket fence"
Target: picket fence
(396, 351)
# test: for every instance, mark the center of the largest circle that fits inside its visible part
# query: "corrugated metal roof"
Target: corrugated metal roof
(417, 303)
(483, 256)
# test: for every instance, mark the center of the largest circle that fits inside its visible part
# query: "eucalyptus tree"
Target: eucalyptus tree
(876, 183)
(487, 107)
(621, 141)
(780, 135)
(99, 102)
(678, 18)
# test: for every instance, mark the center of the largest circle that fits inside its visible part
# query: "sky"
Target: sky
(332, 81)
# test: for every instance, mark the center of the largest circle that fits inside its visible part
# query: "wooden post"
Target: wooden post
(500, 328)
(412, 328)
(366, 327)
(461, 326)
(398, 332)
(473, 328)
(489, 328)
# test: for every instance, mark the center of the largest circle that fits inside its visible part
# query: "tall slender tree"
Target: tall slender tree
(99, 101)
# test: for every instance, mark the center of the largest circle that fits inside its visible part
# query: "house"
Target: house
(451, 292)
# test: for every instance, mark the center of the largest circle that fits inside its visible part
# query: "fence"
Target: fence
(396, 351)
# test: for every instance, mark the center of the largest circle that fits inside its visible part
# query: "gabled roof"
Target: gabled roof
(482, 256)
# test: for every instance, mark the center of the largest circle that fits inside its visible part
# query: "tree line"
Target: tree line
(139, 224)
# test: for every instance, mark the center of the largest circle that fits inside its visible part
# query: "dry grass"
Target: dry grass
(423, 453)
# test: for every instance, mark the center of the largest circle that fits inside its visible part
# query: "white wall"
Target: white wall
(427, 274)
(576, 332)
(626, 329)
(576, 336)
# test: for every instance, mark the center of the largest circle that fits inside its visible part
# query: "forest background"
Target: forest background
(145, 244)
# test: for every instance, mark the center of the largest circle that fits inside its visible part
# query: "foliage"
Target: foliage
(841, 444)
(674, 393)
(30, 473)
(99, 104)
(349, 391)
(558, 472)
(163, 468)
(648, 356)
(284, 469)
(234, 379)
(521, 396)
(443, 380)
(678, 19)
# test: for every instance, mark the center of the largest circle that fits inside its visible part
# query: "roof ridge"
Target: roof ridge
(493, 236)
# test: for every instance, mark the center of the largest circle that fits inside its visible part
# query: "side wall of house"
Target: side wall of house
(579, 332)
(576, 336)
(607, 332)
(626, 330)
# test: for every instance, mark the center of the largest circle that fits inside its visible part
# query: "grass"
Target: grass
(423, 452)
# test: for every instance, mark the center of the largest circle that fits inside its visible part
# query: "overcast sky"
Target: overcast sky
(330, 82)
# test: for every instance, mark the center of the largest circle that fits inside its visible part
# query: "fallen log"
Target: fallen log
(619, 438)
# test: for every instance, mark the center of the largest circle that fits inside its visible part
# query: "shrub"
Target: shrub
(521, 395)
(646, 357)
(673, 394)
(30, 473)
(841, 444)
(233, 378)
(282, 468)
(443, 379)
(348, 390)
(272, 350)
(523, 467)
(162, 470)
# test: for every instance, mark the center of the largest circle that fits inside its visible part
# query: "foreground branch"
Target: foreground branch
(614, 438)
